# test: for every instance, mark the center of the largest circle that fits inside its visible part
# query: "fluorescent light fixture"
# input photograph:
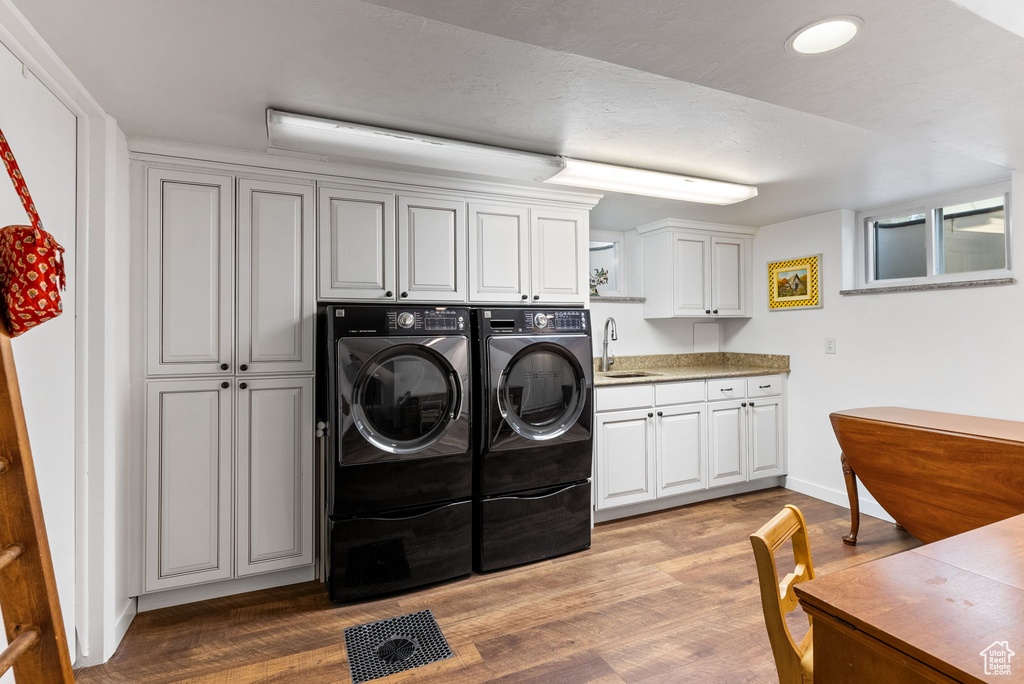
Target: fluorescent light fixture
(332, 138)
(585, 174)
(824, 35)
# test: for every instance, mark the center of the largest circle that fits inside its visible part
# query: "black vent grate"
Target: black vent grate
(379, 649)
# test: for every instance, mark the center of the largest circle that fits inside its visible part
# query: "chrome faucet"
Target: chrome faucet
(606, 358)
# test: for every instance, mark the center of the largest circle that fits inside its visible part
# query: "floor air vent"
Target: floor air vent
(379, 649)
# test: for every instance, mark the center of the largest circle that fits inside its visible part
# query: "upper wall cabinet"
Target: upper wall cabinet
(696, 269)
(357, 244)
(194, 296)
(499, 253)
(559, 242)
(431, 249)
(190, 230)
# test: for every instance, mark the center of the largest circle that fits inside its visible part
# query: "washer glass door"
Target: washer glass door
(542, 391)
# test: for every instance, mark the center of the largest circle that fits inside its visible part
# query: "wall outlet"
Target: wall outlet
(830, 345)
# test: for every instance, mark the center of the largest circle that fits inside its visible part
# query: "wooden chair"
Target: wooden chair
(794, 662)
(37, 647)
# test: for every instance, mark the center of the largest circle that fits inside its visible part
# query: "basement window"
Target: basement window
(962, 236)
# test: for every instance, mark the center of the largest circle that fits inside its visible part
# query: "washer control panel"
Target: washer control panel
(532, 321)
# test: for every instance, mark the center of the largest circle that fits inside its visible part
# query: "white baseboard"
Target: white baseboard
(834, 496)
(685, 499)
(202, 592)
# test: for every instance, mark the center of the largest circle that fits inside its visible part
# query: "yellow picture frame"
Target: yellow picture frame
(795, 283)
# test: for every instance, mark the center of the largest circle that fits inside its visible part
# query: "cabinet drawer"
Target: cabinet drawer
(764, 386)
(727, 388)
(617, 398)
(679, 393)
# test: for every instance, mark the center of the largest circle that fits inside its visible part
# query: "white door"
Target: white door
(190, 233)
(625, 458)
(766, 437)
(431, 250)
(559, 257)
(691, 295)
(682, 449)
(499, 253)
(276, 297)
(727, 442)
(274, 496)
(188, 482)
(728, 277)
(357, 244)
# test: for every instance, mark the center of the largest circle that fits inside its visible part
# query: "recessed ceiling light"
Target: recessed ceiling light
(824, 36)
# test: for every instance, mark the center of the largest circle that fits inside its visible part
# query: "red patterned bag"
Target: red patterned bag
(31, 262)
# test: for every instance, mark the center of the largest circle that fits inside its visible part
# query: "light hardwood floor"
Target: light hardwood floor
(669, 597)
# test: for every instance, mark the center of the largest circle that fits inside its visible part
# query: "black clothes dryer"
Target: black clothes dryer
(533, 426)
(397, 398)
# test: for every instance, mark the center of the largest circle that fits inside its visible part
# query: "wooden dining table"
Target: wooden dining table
(949, 611)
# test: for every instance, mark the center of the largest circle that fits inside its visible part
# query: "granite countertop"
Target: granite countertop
(678, 367)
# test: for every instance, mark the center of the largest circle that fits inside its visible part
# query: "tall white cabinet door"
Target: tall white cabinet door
(559, 240)
(357, 244)
(691, 278)
(276, 297)
(190, 282)
(727, 442)
(274, 511)
(766, 438)
(625, 458)
(728, 274)
(188, 482)
(431, 250)
(499, 253)
(682, 449)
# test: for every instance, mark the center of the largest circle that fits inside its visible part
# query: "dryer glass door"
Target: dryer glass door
(403, 400)
(542, 391)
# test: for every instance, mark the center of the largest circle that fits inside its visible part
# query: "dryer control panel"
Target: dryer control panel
(533, 321)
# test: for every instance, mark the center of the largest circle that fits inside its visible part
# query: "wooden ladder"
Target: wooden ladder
(37, 648)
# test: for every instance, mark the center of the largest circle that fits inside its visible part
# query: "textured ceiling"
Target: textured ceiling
(920, 103)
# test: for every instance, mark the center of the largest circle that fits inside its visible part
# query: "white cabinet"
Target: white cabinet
(190, 272)
(696, 270)
(625, 458)
(765, 425)
(681, 436)
(357, 249)
(727, 442)
(431, 249)
(276, 297)
(188, 472)
(499, 253)
(559, 240)
(659, 441)
(274, 501)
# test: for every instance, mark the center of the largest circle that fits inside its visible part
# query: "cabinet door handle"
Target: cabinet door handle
(242, 386)
(744, 404)
(715, 311)
(389, 293)
(727, 389)
(650, 415)
(243, 367)
(225, 384)
(536, 297)
(525, 297)
(763, 386)
(404, 295)
(751, 403)
(660, 413)
(707, 310)
(224, 366)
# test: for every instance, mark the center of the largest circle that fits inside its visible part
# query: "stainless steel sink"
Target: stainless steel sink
(630, 374)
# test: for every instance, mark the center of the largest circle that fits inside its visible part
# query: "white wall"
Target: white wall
(43, 135)
(957, 351)
(638, 335)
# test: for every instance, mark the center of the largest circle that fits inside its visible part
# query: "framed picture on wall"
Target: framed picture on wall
(794, 283)
(607, 264)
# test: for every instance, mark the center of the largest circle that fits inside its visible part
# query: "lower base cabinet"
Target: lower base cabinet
(646, 450)
(229, 478)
